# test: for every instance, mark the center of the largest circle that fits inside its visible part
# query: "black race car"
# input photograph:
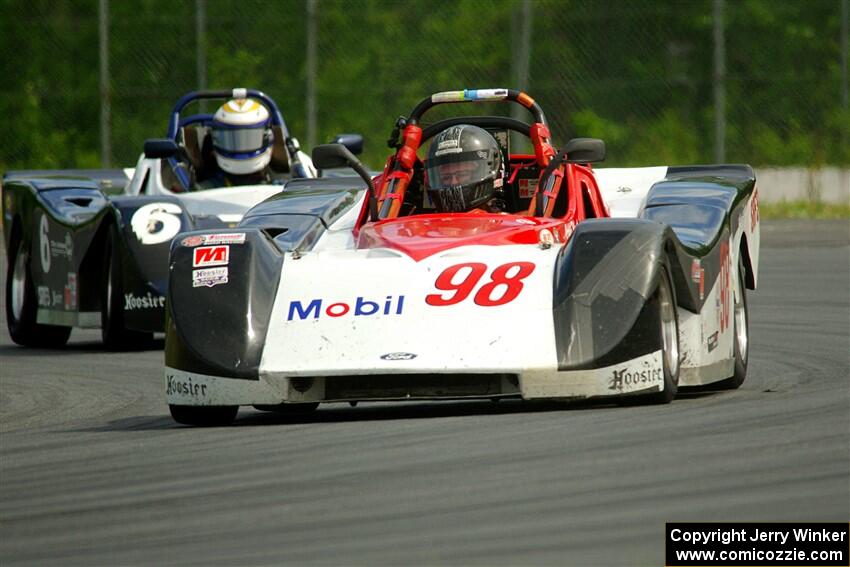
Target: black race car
(90, 248)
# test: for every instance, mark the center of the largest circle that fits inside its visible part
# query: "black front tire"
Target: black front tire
(204, 416)
(113, 331)
(21, 304)
(665, 297)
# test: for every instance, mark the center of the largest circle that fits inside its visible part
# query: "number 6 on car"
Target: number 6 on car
(156, 223)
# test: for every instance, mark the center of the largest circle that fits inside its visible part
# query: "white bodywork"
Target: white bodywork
(701, 365)
(329, 338)
(624, 190)
(147, 176)
(323, 326)
(504, 338)
(229, 204)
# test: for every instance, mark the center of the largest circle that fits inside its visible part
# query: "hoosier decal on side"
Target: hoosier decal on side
(209, 277)
(644, 374)
(133, 302)
(629, 378)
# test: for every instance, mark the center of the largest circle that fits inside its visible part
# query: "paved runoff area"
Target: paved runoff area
(94, 471)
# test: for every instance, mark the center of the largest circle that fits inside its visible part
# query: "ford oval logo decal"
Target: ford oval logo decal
(398, 356)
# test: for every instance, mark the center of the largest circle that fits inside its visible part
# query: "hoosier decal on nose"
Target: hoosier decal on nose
(628, 378)
(175, 385)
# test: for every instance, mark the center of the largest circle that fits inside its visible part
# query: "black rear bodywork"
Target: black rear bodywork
(63, 221)
(608, 273)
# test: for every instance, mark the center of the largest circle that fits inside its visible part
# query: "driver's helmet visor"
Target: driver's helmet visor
(240, 139)
(460, 168)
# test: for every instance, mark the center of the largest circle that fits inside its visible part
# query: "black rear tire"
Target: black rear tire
(114, 333)
(203, 416)
(740, 334)
(21, 304)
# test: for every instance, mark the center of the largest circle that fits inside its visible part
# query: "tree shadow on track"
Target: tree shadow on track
(696, 392)
(390, 411)
(73, 348)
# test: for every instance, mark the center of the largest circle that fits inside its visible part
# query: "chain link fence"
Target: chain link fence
(663, 82)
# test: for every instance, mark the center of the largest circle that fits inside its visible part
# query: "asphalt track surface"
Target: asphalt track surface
(94, 471)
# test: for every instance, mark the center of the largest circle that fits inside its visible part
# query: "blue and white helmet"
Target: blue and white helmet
(242, 137)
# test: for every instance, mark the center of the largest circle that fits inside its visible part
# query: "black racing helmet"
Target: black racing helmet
(464, 168)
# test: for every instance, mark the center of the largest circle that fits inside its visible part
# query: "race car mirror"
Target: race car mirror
(354, 142)
(158, 148)
(584, 150)
(329, 156)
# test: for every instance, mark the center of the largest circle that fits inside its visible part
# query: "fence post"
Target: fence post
(521, 60)
(845, 9)
(105, 107)
(719, 84)
(311, 73)
(201, 48)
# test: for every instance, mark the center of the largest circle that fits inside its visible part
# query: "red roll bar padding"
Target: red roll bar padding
(390, 206)
(395, 182)
(543, 149)
(411, 137)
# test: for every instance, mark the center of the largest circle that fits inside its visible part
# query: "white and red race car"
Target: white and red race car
(592, 283)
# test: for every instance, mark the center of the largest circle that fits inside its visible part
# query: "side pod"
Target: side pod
(605, 281)
(221, 289)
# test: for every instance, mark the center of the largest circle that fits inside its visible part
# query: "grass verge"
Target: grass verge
(804, 210)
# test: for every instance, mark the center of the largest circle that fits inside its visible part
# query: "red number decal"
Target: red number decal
(724, 283)
(461, 289)
(504, 286)
(500, 277)
(754, 209)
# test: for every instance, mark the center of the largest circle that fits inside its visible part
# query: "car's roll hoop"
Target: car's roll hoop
(225, 94)
(292, 147)
(407, 136)
(478, 95)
